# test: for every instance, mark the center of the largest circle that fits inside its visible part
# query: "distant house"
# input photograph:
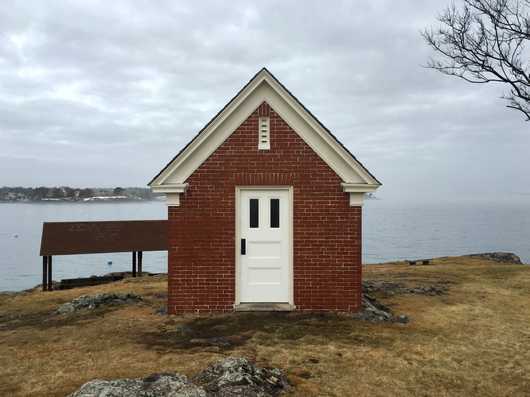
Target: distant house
(264, 210)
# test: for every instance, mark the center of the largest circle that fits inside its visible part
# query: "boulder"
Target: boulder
(156, 385)
(238, 377)
(230, 377)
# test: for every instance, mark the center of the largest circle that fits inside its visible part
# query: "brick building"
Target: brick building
(264, 210)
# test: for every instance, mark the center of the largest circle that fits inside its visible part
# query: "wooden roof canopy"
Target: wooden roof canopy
(70, 238)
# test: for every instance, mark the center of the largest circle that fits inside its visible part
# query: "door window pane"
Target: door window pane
(275, 213)
(254, 213)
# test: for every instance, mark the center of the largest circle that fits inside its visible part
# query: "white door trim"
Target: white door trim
(238, 238)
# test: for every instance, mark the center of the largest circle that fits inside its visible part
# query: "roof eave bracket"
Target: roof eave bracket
(357, 192)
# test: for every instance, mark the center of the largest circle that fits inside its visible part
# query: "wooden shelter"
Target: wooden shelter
(73, 238)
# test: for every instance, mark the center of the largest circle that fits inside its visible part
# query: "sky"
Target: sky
(99, 93)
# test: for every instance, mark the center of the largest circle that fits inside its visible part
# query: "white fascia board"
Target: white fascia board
(358, 187)
(169, 188)
(264, 88)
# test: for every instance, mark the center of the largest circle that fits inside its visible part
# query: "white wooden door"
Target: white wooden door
(265, 246)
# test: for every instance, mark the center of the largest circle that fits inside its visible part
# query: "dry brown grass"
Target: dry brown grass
(473, 341)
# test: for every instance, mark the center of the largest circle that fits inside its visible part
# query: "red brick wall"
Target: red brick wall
(327, 231)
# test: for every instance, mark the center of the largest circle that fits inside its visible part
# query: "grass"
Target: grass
(473, 341)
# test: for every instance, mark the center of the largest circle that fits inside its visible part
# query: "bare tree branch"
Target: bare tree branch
(485, 41)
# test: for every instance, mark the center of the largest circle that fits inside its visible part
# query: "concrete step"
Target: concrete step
(264, 307)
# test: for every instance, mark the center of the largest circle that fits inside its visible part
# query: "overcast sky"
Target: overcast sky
(106, 93)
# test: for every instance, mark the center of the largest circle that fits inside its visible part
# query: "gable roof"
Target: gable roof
(264, 86)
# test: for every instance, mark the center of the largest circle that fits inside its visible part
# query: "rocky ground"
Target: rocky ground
(230, 377)
(503, 257)
(392, 288)
(91, 302)
(374, 311)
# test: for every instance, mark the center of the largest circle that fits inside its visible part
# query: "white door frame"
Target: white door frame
(238, 238)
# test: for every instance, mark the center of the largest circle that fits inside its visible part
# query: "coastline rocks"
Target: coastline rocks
(90, 302)
(504, 257)
(230, 377)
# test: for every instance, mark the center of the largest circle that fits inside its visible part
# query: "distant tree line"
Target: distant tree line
(66, 193)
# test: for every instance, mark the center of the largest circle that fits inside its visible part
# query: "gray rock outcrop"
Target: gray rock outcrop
(392, 288)
(375, 312)
(92, 301)
(504, 257)
(238, 377)
(230, 377)
(171, 385)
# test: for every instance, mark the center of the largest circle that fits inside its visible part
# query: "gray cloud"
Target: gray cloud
(105, 93)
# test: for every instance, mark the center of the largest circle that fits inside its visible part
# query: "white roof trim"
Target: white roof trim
(170, 188)
(263, 88)
(358, 188)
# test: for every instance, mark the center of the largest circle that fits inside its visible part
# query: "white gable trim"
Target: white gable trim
(263, 88)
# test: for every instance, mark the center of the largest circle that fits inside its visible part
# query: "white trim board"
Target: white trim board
(264, 88)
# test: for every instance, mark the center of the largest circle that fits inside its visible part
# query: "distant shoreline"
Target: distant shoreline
(113, 201)
(67, 194)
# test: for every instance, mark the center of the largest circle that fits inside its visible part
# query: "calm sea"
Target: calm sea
(391, 231)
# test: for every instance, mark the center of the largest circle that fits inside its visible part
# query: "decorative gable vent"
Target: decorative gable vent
(261, 90)
(264, 134)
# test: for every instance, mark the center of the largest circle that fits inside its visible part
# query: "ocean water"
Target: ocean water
(391, 231)
(20, 237)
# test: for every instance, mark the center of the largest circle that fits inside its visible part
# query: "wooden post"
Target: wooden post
(50, 278)
(140, 254)
(44, 273)
(134, 264)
